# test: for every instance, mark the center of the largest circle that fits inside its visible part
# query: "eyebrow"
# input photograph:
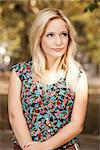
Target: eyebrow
(54, 32)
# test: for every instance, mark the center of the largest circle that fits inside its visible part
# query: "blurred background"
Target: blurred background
(16, 17)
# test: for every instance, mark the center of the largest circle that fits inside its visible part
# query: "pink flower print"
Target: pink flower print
(49, 93)
(40, 124)
(33, 119)
(39, 101)
(33, 87)
(37, 132)
(50, 105)
(41, 112)
(47, 121)
(41, 92)
(66, 116)
(35, 100)
(65, 100)
(26, 113)
(30, 125)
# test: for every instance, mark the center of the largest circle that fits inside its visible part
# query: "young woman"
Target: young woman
(48, 94)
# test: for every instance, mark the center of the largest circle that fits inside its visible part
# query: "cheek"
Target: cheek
(66, 43)
(45, 44)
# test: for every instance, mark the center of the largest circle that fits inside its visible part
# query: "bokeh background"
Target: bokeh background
(16, 17)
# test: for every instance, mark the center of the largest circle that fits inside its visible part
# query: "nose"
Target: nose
(58, 41)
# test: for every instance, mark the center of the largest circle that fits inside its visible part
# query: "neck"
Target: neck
(53, 64)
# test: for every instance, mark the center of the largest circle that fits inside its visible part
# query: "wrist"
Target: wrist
(27, 145)
(48, 145)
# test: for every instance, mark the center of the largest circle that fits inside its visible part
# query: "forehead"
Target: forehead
(55, 25)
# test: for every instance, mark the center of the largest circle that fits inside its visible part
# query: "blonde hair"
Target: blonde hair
(37, 30)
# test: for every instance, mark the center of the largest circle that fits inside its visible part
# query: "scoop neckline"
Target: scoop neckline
(44, 84)
(52, 84)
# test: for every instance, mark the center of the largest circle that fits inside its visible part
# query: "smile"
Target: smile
(57, 49)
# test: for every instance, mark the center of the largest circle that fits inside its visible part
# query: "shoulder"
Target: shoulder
(74, 72)
(82, 84)
(78, 72)
(21, 67)
(76, 77)
(83, 76)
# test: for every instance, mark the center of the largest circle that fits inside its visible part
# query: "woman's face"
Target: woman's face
(54, 41)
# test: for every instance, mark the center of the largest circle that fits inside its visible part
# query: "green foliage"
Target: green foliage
(14, 20)
(93, 5)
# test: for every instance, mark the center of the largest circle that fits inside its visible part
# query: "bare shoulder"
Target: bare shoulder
(77, 78)
(83, 73)
(83, 77)
(81, 99)
(14, 77)
(18, 70)
(82, 86)
(15, 84)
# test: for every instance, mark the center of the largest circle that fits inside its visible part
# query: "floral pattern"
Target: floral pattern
(47, 108)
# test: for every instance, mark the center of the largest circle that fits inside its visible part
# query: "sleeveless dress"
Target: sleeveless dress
(46, 108)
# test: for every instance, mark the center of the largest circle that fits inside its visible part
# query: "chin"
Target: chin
(57, 55)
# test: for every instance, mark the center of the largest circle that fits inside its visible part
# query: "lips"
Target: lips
(57, 49)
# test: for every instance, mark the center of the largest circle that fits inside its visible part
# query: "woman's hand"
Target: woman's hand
(38, 146)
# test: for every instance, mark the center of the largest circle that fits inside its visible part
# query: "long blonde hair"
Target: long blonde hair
(37, 30)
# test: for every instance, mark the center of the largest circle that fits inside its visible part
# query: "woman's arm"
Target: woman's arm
(72, 129)
(16, 117)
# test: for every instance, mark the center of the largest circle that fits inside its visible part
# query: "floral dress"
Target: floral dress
(46, 108)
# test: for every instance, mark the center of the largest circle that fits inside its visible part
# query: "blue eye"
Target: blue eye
(50, 35)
